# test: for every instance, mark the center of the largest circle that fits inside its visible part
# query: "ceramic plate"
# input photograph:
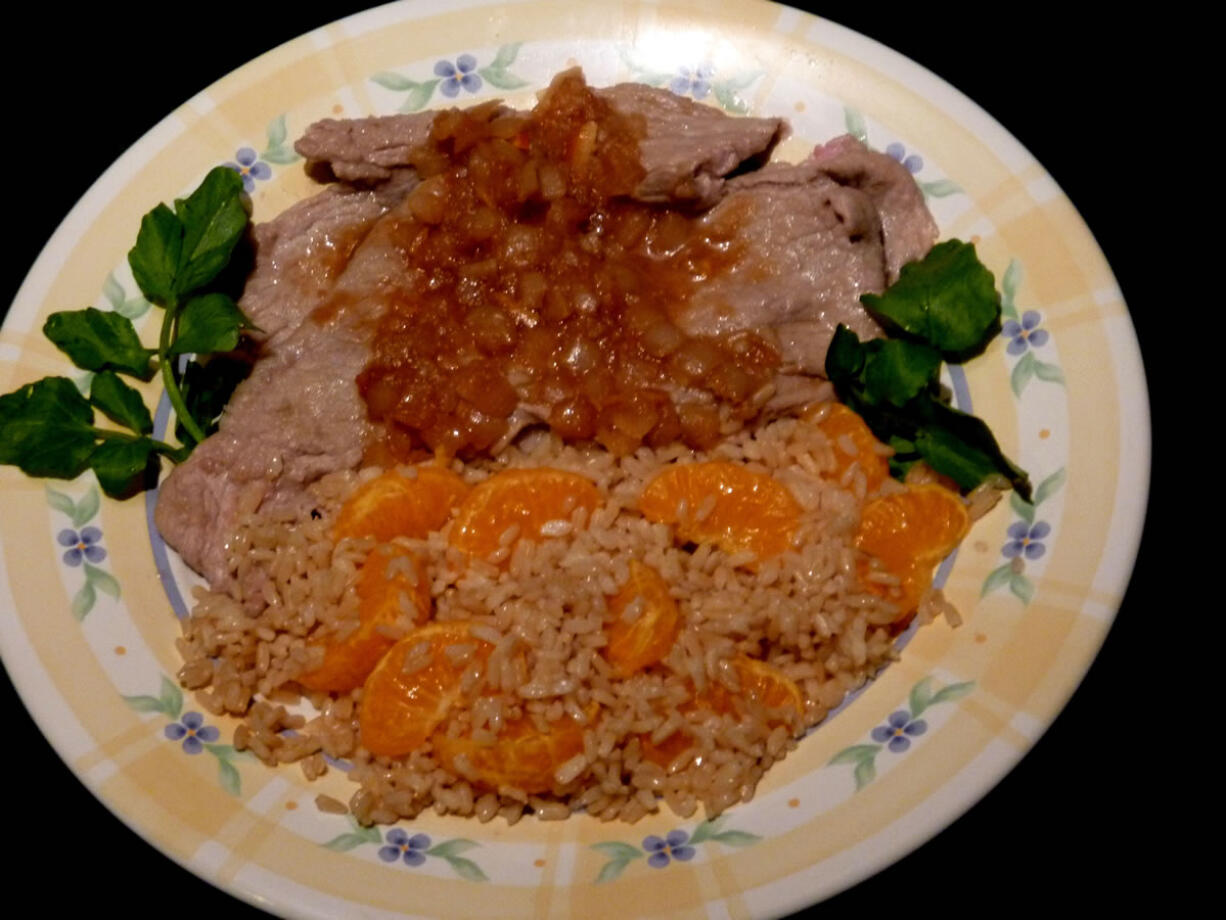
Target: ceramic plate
(90, 621)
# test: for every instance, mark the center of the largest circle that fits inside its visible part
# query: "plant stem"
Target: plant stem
(168, 376)
(161, 447)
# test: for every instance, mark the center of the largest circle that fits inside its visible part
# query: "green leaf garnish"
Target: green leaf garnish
(896, 371)
(869, 378)
(120, 402)
(207, 386)
(947, 300)
(97, 340)
(213, 219)
(155, 257)
(46, 429)
(209, 323)
(125, 467)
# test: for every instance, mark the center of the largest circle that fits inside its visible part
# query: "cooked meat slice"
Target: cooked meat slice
(687, 152)
(299, 415)
(365, 149)
(907, 228)
(814, 237)
(810, 248)
(296, 418)
(300, 254)
(689, 148)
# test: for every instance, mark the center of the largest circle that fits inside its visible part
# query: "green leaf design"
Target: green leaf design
(617, 850)
(282, 156)
(134, 308)
(346, 842)
(500, 78)
(103, 581)
(997, 578)
(941, 188)
(641, 73)
(419, 95)
(1022, 508)
(449, 848)
(1022, 587)
(357, 836)
(743, 81)
(1010, 283)
(87, 508)
(856, 126)
(1050, 486)
(277, 131)
(856, 753)
(1022, 374)
(117, 297)
(393, 81)
(707, 829)
(921, 696)
(1048, 373)
(952, 692)
(506, 55)
(169, 702)
(728, 99)
(60, 502)
(227, 773)
(171, 697)
(83, 601)
(736, 838)
(466, 869)
(144, 703)
(865, 773)
(612, 870)
(113, 291)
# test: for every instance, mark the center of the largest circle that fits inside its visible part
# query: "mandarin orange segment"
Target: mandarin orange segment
(392, 505)
(767, 686)
(409, 693)
(633, 646)
(762, 683)
(908, 533)
(391, 577)
(533, 500)
(723, 503)
(523, 756)
(845, 429)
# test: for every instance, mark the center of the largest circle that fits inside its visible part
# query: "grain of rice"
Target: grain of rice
(329, 805)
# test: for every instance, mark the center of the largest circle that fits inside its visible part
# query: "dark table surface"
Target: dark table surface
(1073, 819)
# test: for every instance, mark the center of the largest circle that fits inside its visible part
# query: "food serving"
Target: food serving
(538, 490)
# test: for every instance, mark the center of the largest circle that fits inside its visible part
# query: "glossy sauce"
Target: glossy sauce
(539, 283)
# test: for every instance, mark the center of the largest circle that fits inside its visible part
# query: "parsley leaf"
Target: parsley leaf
(97, 340)
(213, 219)
(209, 323)
(947, 300)
(155, 257)
(125, 467)
(887, 387)
(120, 402)
(207, 385)
(47, 429)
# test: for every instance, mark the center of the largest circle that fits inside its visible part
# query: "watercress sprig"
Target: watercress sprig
(943, 307)
(47, 427)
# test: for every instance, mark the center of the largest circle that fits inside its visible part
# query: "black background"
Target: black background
(1071, 825)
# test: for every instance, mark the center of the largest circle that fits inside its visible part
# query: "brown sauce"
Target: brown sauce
(538, 282)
